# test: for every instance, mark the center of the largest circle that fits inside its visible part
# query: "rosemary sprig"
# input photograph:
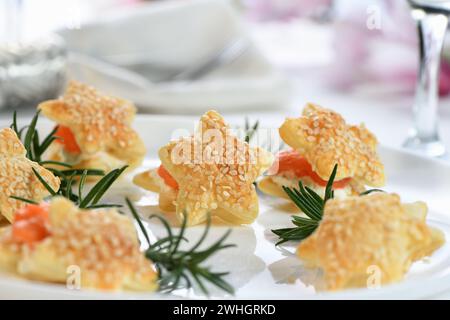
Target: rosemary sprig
(23, 200)
(179, 268)
(29, 136)
(35, 148)
(99, 189)
(88, 201)
(370, 191)
(250, 130)
(312, 206)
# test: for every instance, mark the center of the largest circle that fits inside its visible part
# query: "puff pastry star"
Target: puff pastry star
(102, 244)
(324, 138)
(216, 174)
(372, 231)
(99, 123)
(17, 177)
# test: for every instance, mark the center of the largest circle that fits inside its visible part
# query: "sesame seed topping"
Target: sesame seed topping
(219, 180)
(324, 139)
(17, 177)
(99, 122)
(362, 231)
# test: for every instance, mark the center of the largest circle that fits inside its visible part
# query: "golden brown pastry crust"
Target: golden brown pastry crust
(99, 123)
(372, 230)
(103, 244)
(324, 139)
(218, 174)
(17, 177)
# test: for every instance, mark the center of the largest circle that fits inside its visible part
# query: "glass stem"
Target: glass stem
(431, 29)
(14, 20)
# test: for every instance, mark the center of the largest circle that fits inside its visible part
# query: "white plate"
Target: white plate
(258, 269)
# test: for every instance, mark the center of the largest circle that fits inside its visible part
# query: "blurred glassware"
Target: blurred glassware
(378, 57)
(432, 20)
(31, 70)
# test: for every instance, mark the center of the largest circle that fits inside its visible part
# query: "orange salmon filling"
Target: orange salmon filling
(168, 179)
(292, 161)
(67, 140)
(30, 224)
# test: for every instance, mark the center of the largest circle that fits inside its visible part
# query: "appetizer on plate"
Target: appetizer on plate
(210, 172)
(94, 129)
(371, 231)
(17, 177)
(46, 240)
(319, 139)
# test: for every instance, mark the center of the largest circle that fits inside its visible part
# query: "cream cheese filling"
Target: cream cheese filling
(160, 181)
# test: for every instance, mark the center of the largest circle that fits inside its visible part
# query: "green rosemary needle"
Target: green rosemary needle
(312, 206)
(179, 268)
(91, 199)
(250, 130)
(370, 191)
(249, 133)
(34, 147)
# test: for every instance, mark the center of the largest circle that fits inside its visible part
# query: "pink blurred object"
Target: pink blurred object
(385, 57)
(444, 80)
(284, 9)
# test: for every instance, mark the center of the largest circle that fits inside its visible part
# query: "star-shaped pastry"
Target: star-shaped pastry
(101, 247)
(364, 232)
(99, 123)
(324, 138)
(215, 172)
(17, 177)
